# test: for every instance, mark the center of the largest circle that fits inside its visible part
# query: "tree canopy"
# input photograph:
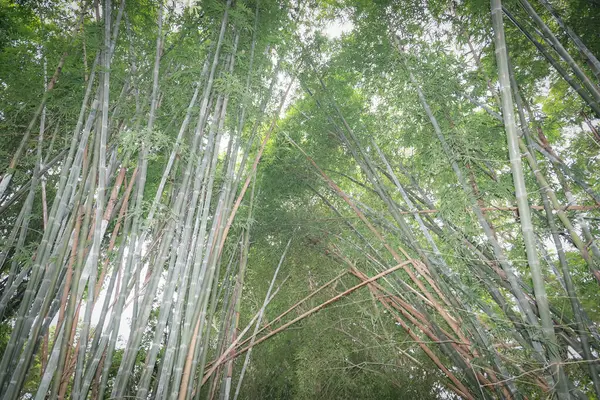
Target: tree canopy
(268, 199)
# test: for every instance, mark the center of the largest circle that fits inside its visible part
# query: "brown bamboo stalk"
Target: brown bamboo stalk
(463, 348)
(296, 305)
(462, 391)
(313, 310)
(441, 310)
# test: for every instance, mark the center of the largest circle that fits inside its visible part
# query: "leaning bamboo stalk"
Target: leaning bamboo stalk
(214, 250)
(547, 192)
(449, 319)
(46, 377)
(182, 259)
(255, 164)
(593, 62)
(577, 241)
(205, 177)
(44, 253)
(486, 259)
(62, 235)
(171, 360)
(461, 347)
(522, 302)
(462, 389)
(41, 163)
(201, 122)
(123, 368)
(298, 304)
(293, 307)
(229, 316)
(550, 341)
(368, 167)
(566, 274)
(419, 320)
(211, 261)
(587, 234)
(241, 275)
(175, 341)
(48, 238)
(382, 194)
(34, 323)
(48, 164)
(225, 357)
(347, 199)
(258, 322)
(559, 48)
(137, 236)
(233, 345)
(125, 265)
(243, 110)
(69, 275)
(165, 309)
(19, 229)
(574, 83)
(71, 316)
(100, 340)
(110, 207)
(9, 173)
(563, 168)
(207, 170)
(592, 262)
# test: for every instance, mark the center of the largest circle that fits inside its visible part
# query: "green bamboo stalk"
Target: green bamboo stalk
(102, 336)
(593, 62)
(182, 361)
(101, 138)
(575, 84)
(256, 328)
(516, 290)
(54, 224)
(567, 280)
(438, 260)
(559, 48)
(548, 334)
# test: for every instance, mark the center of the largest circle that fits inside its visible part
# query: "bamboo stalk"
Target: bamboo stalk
(258, 323)
(549, 337)
(313, 310)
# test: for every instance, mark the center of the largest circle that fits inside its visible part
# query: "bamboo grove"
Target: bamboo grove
(307, 199)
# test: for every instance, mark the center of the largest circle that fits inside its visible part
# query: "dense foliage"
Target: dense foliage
(305, 200)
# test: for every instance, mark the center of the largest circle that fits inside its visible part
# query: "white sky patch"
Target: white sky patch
(337, 27)
(127, 312)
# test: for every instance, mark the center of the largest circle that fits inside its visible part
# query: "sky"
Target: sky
(337, 27)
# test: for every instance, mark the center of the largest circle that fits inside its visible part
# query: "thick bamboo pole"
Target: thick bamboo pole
(541, 297)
